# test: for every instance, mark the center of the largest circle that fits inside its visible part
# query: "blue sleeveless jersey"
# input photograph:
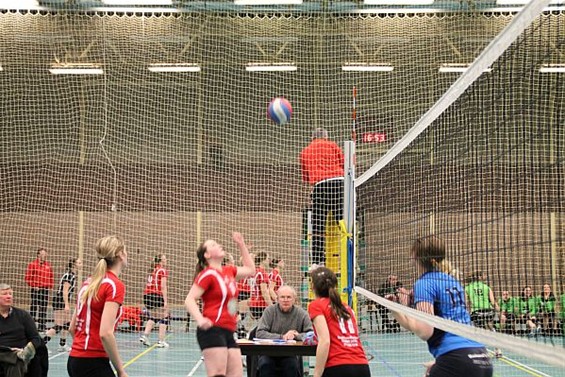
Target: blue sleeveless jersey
(447, 296)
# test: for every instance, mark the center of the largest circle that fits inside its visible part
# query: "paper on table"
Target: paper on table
(273, 341)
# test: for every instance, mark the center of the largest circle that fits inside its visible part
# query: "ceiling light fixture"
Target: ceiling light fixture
(457, 67)
(76, 69)
(19, 4)
(398, 2)
(522, 2)
(137, 2)
(174, 67)
(367, 67)
(552, 68)
(266, 67)
(267, 2)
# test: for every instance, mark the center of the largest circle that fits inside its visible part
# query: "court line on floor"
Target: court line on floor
(57, 355)
(141, 354)
(382, 359)
(523, 367)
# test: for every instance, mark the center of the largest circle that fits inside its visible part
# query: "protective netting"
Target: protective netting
(167, 160)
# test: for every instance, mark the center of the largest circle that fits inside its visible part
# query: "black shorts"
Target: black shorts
(215, 337)
(153, 300)
(89, 367)
(348, 370)
(58, 302)
(468, 362)
(481, 317)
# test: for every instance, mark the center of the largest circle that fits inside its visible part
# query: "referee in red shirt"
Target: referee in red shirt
(39, 277)
(322, 167)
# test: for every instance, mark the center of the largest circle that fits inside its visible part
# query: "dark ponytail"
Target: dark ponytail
(202, 263)
(324, 283)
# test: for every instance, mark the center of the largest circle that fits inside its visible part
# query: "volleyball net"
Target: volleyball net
(482, 169)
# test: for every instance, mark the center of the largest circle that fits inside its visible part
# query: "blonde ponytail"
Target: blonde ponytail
(107, 250)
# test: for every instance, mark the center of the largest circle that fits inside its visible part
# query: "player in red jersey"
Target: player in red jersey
(155, 301)
(339, 352)
(260, 286)
(275, 277)
(98, 309)
(216, 286)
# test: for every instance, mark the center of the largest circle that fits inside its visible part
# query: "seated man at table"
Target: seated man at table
(22, 351)
(283, 320)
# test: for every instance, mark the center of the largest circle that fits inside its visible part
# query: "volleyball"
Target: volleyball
(279, 110)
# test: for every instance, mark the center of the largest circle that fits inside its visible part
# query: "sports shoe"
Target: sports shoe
(162, 344)
(497, 353)
(64, 348)
(27, 353)
(143, 339)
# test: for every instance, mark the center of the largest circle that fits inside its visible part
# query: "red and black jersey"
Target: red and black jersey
(219, 300)
(345, 345)
(276, 278)
(87, 342)
(155, 281)
(257, 300)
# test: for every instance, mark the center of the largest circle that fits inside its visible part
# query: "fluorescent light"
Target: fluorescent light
(552, 68)
(398, 2)
(266, 67)
(173, 67)
(137, 2)
(1, 69)
(18, 4)
(76, 69)
(457, 67)
(361, 67)
(517, 2)
(267, 2)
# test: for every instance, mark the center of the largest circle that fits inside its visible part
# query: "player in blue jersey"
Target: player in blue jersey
(440, 294)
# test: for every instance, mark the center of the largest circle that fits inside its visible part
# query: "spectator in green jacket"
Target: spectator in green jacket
(507, 312)
(527, 309)
(547, 311)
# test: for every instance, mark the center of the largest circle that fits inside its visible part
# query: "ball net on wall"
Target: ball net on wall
(169, 159)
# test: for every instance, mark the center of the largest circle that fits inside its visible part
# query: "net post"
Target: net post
(349, 203)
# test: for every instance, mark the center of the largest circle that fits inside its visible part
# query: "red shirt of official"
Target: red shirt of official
(87, 342)
(219, 300)
(320, 160)
(257, 300)
(39, 274)
(345, 345)
(155, 281)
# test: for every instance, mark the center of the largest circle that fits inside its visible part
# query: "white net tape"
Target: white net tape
(543, 352)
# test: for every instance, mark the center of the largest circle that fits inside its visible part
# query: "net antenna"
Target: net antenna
(489, 55)
(548, 354)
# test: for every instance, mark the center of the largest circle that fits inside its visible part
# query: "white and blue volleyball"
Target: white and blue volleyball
(279, 110)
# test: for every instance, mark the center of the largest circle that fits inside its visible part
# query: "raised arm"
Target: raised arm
(248, 268)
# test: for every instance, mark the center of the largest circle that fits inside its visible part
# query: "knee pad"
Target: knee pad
(164, 321)
(57, 328)
(66, 326)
